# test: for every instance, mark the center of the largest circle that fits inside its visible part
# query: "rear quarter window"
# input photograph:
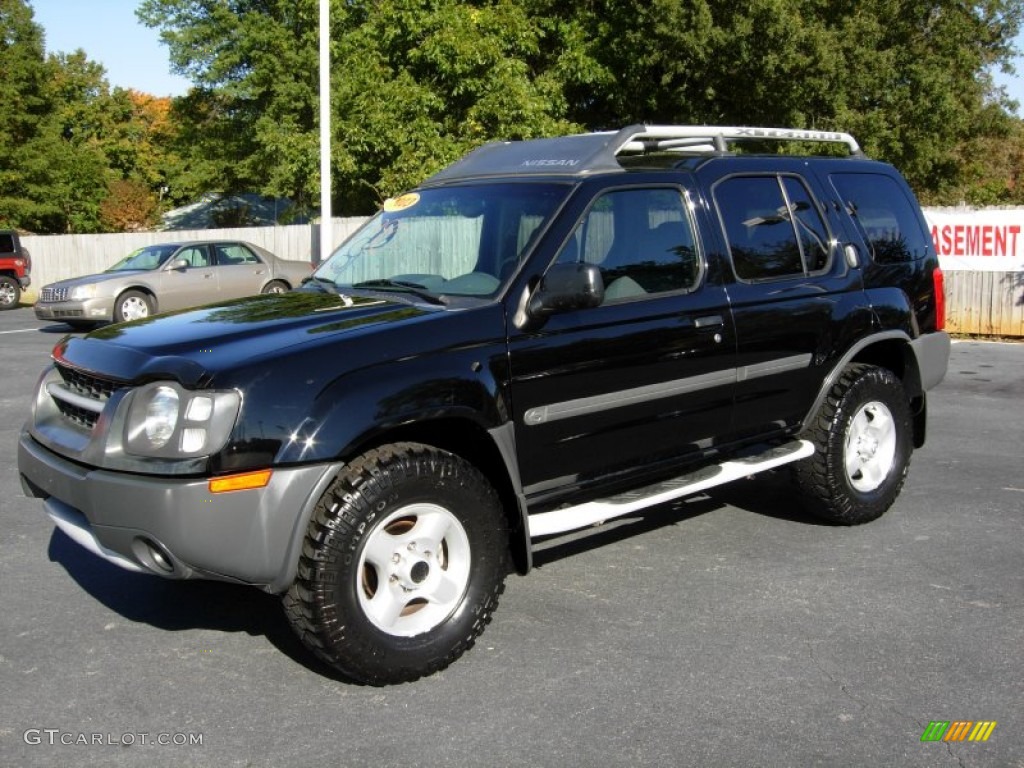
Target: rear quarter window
(884, 215)
(773, 226)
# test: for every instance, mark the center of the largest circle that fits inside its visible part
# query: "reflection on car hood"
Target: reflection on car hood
(192, 345)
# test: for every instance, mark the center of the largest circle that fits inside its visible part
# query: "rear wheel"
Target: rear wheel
(10, 292)
(132, 305)
(402, 565)
(275, 286)
(862, 433)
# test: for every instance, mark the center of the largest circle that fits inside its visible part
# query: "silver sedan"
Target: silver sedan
(161, 278)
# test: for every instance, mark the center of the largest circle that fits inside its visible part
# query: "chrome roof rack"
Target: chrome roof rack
(588, 153)
(648, 138)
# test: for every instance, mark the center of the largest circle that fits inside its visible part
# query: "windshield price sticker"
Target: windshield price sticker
(400, 203)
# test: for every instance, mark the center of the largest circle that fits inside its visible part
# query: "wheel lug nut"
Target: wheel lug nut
(412, 546)
(395, 558)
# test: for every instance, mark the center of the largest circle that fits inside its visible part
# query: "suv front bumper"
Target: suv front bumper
(175, 527)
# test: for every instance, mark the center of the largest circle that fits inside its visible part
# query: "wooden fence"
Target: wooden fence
(982, 303)
(985, 303)
(56, 257)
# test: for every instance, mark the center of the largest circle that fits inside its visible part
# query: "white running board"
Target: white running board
(582, 515)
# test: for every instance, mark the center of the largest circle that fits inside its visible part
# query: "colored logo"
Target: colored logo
(958, 730)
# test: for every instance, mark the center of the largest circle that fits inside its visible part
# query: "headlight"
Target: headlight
(167, 421)
(161, 417)
(82, 292)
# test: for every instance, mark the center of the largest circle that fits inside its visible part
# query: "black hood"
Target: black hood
(194, 344)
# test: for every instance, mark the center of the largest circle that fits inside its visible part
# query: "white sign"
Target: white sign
(978, 240)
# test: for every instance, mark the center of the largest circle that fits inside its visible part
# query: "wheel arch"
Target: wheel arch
(890, 350)
(141, 288)
(489, 450)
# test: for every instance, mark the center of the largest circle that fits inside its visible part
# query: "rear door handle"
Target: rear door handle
(709, 321)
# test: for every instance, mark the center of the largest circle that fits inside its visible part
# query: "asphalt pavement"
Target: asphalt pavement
(724, 630)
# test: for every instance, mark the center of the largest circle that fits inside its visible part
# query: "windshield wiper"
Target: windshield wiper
(407, 286)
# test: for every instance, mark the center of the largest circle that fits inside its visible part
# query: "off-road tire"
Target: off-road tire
(132, 305)
(851, 478)
(361, 541)
(10, 292)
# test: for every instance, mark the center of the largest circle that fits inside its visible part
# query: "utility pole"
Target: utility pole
(326, 226)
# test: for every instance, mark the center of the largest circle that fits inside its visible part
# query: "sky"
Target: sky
(111, 35)
(134, 57)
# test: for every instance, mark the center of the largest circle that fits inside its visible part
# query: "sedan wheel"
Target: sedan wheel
(275, 286)
(132, 305)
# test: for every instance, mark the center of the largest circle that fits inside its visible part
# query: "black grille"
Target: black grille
(86, 385)
(79, 416)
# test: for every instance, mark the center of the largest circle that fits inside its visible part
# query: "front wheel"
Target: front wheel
(402, 565)
(10, 292)
(132, 305)
(862, 434)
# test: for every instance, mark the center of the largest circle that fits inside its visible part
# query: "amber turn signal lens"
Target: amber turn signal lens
(242, 482)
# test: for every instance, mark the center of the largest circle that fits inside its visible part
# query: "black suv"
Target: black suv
(546, 335)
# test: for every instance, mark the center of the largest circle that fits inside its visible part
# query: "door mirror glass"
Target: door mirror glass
(566, 287)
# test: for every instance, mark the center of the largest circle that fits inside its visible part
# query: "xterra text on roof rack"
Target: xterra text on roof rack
(545, 335)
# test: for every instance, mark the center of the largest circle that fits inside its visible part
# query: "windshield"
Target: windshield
(451, 241)
(150, 257)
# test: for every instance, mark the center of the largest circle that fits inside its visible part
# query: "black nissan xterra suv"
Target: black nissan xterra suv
(546, 335)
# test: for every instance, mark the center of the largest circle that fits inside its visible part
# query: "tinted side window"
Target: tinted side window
(773, 227)
(641, 239)
(810, 228)
(885, 217)
(6, 243)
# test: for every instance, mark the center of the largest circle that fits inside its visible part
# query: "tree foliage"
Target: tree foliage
(67, 137)
(416, 83)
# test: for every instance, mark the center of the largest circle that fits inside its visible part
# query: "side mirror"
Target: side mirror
(566, 287)
(180, 264)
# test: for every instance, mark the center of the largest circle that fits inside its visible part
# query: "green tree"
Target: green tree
(415, 83)
(907, 77)
(250, 121)
(27, 136)
(419, 84)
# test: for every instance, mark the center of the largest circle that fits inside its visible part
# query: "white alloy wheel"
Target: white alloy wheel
(870, 446)
(414, 569)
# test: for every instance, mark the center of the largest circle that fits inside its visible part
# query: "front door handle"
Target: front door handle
(709, 321)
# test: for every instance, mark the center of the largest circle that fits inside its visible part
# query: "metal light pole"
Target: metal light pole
(326, 227)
